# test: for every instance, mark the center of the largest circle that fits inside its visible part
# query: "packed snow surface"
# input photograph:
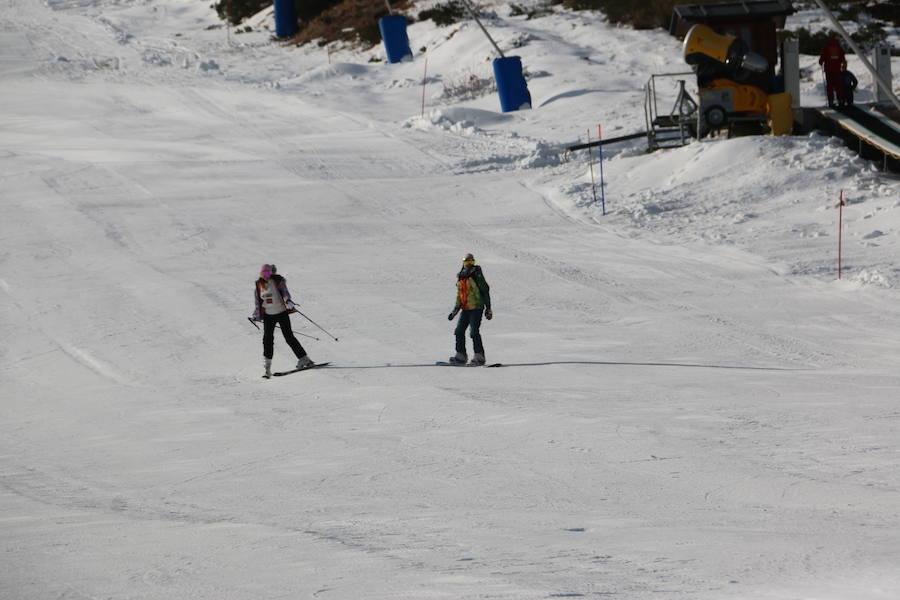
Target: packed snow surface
(693, 405)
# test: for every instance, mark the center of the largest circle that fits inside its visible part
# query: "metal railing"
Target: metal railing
(680, 124)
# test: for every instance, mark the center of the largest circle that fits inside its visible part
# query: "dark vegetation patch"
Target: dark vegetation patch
(444, 13)
(647, 14)
(357, 20)
(350, 21)
(874, 18)
(235, 11)
(866, 37)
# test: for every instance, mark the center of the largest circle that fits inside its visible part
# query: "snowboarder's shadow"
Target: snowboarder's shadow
(606, 363)
(646, 364)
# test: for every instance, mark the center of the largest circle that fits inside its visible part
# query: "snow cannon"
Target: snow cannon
(395, 38)
(511, 85)
(721, 62)
(285, 19)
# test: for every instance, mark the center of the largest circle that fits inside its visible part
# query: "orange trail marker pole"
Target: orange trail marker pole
(591, 157)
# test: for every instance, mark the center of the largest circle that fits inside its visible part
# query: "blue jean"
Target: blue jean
(470, 319)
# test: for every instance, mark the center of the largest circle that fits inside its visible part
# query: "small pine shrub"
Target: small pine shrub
(444, 13)
(235, 11)
(310, 9)
(812, 43)
(369, 34)
(517, 11)
(889, 12)
(869, 35)
(466, 86)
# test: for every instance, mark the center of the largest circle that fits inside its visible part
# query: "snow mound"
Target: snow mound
(467, 117)
(333, 71)
(872, 277)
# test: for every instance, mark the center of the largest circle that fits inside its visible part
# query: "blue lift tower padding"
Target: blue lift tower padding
(285, 18)
(511, 84)
(396, 42)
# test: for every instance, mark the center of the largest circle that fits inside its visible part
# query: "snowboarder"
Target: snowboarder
(473, 299)
(833, 62)
(273, 307)
(849, 83)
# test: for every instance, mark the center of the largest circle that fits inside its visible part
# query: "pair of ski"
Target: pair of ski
(312, 366)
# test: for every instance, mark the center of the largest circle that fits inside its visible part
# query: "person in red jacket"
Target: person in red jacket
(833, 62)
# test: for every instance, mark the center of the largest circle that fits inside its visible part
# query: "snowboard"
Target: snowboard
(442, 363)
(283, 373)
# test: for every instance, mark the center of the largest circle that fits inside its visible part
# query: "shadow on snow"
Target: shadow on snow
(575, 362)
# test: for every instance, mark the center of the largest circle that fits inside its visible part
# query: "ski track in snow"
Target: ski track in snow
(691, 406)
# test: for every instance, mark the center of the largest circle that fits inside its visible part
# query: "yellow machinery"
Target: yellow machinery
(705, 47)
(727, 72)
(719, 60)
(724, 99)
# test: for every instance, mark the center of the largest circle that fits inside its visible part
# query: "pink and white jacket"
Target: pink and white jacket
(281, 286)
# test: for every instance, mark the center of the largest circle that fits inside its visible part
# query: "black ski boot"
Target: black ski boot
(459, 359)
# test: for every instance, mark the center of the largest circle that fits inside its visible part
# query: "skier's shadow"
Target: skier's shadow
(605, 363)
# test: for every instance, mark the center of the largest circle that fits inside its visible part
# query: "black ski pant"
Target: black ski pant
(470, 319)
(283, 320)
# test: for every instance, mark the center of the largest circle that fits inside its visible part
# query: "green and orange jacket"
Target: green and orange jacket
(472, 291)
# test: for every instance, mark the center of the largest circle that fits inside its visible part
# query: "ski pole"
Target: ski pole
(252, 322)
(316, 324)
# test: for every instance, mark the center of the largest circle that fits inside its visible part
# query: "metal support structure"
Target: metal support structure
(881, 56)
(674, 128)
(884, 85)
(471, 10)
(790, 62)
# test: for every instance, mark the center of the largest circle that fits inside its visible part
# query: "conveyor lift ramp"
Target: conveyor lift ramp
(871, 132)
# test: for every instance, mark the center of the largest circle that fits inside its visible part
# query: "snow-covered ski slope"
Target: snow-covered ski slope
(691, 408)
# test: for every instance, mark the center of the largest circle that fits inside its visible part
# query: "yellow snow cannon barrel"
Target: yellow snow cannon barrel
(781, 115)
(704, 47)
(702, 43)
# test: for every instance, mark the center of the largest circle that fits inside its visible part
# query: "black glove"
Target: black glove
(452, 314)
(488, 314)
